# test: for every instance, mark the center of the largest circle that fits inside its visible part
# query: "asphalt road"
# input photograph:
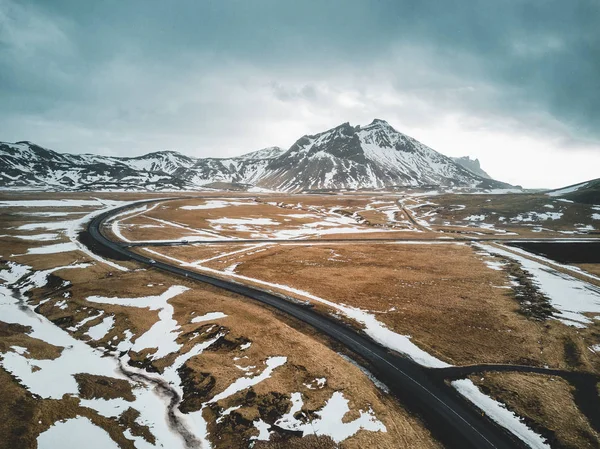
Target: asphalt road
(450, 418)
(566, 252)
(511, 242)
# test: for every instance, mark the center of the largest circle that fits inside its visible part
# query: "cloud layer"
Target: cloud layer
(510, 82)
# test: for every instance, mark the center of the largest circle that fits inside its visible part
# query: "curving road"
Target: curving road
(450, 418)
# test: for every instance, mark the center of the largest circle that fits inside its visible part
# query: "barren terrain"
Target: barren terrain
(241, 374)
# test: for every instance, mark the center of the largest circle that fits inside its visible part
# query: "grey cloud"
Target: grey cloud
(229, 75)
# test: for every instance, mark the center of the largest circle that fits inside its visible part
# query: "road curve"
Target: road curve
(449, 417)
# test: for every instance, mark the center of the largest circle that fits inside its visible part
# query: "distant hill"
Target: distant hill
(585, 192)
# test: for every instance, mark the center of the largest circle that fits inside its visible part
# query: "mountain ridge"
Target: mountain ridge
(372, 156)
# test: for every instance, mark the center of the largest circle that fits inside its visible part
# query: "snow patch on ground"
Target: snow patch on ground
(495, 264)
(475, 218)
(244, 221)
(231, 268)
(243, 383)
(500, 414)
(330, 419)
(84, 321)
(53, 249)
(263, 431)
(163, 334)
(50, 214)
(98, 331)
(208, 317)
(217, 204)
(227, 412)
(537, 216)
(39, 279)
(49, 378)
(571, 296)
(19, 350)
(75, 433)
(54, 378)
(14, 272)
(38, 237)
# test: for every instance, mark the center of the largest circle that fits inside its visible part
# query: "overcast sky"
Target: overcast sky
(514, 83)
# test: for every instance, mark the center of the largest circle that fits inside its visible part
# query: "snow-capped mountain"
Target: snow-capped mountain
(246, 169)
(265, 153)
(344, 157)
(26, 165)
(159, 161)
(372, 156)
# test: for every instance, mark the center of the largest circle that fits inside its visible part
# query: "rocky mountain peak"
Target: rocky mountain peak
(378, 123)
(473, 165)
